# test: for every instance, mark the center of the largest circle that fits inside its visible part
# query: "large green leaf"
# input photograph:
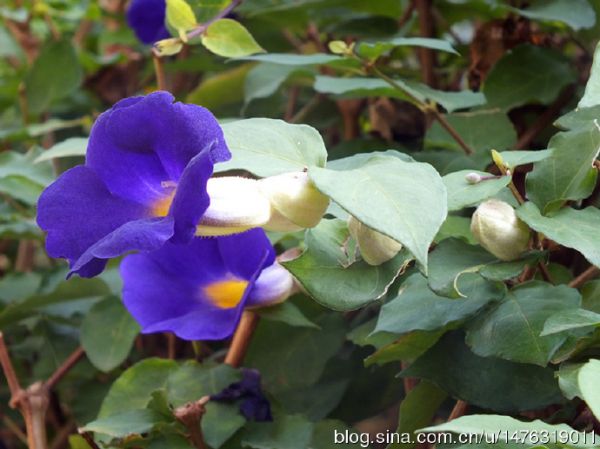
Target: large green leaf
(107, 334)
(568, 174)
(377, 48)
(417, 410)
(418, 308)
(20, 178)
(512, 159)
(375, 87)
(591, 97)
(528, 433)
(293, 357)
(229, 38)
(511, 328)
(264, 79)
(527, 74)
(571, 228)
(55, 74)
(481, 130)
(269, 147)
(589, 386)
(124, 424)
(486, 382)
(403, 200)
(575, 13)
(73, 146)
(224, 89)
(332, 278)
(569, 320)
(285, 432)
(462, 193)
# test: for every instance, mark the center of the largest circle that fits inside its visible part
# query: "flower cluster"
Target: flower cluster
(146, 188)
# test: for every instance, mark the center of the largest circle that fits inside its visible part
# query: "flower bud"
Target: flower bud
(295, 201)
(497, 228)
(473, 178)
(236, 205)
(274, 285)
(375, 247)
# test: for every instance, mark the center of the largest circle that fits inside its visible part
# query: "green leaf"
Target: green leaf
(229, 38)
(220, 422)
(567, 174)
(264, 79)
(527, 74)
(76, 289)
(407, 347)
(485, 382)
(123, 424)
(193, 380)
(20, 178)
(383, 193)
(55, 74)
(569, 320)
(568, 379)
(457, 227)
(375, 87)
(286, 432)
(180, 16)
(418, 308)
(417, 410)
(133, 389)
(575, 13)
(591, 97)
(511, 328)
(569, 227)
(453, 259)
(324, 435)
(328, 275)
(294, 357)
(514, 159)
(481, 130)
(107, 334)
(268, 147)
(578, 117)
(589, 386)
(494, 425)
(462, 193)
(290, 59)
(223, 89)
(373, 50)
(74, 146)
(288, 313)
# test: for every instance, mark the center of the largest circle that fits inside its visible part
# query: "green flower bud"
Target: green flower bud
(497, 228)
(295, 202)
(236, 205)
(375, 247)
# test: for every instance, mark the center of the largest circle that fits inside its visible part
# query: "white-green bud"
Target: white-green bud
(236, 205)
(375, 247)
(497, 228)
(274, 285)
(473, 178)
(295, 201)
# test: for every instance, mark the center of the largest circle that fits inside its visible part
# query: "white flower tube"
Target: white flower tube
(497, 228)
(236, 205)
(295, 201)
(375, 247)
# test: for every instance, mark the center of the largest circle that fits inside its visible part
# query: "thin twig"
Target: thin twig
(87, 436)
(14, 428)
(460, 408)
(545, 273)
(64, 368)
(426, 29)
(9, 370)
(407, 14)
(241, 339)
(426, 108)
(159, 71)
(171, 345)
(202, 28)
(588, 274)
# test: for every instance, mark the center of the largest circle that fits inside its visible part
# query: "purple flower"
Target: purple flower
(254, 405)
(143, 183)
(199, 290)
(147, 18)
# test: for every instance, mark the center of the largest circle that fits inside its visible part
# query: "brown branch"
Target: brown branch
(62, 437)
(241, 339)
(171, 345)
(87, 436)
(63, 369)
(25, 253)
(545, 273)
(407, 14)
(291, 103)
(426, 29)
(159, 71)
(190, 415)
(448, 127)
(460, 408)
(9, 371)
(591, 273)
